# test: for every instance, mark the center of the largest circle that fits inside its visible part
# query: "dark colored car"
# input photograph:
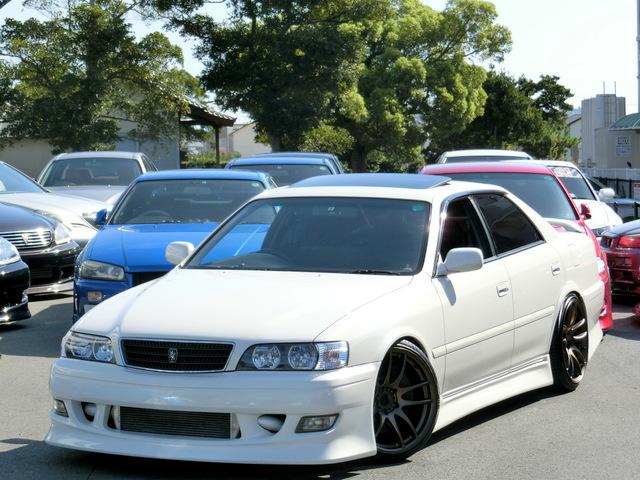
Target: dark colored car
(323, 155)
(14, 281)
(285, 170)
(44, 245)
(622, 248)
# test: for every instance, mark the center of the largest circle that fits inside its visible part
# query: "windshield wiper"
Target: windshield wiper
(366, 271)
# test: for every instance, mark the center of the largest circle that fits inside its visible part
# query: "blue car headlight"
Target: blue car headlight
(90, 269)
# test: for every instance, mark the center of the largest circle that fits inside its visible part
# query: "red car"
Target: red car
(544, 192)
(622, 248)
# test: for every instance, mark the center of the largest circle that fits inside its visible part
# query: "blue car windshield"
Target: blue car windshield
(323, 234)
(286, 174)
(13, 181)
(183, 201)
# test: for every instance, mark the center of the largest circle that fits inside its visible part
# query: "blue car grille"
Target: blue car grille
(176, 356)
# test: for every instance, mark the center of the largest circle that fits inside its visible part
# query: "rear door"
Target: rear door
(477, 305)
(535, 274)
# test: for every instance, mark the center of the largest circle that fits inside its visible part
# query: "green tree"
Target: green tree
(77, 75)
(518, 114)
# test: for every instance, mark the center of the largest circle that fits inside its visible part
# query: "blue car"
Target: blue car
(286, 170)
(156, 209)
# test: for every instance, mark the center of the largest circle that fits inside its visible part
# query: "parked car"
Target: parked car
(157, 209)
(329, 156)
(14, 281)
(545, 193)
(603, 217)
(76, 213)
(627, 208)
(458, 156)
(285, 170)
(45, 245)
(622, 247)
(100, 176)
(329, 326)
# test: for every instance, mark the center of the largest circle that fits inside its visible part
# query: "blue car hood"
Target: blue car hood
(140, 248)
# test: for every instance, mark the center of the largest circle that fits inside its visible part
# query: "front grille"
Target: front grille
(176, 356)
(169, 422)
(29, 240)
(46, 275)
(144, 277)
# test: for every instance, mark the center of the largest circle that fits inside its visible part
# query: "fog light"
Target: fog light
(316, 424)
(271, 423)
(89, 410)
(60, 408)
(94, 297)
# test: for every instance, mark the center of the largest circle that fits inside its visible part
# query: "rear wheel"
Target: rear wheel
(405, 402)
(570, 346)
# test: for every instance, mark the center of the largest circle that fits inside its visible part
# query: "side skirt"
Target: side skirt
(471, 398)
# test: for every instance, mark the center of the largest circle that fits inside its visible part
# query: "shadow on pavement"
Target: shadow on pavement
(627, 328)
(38, 336)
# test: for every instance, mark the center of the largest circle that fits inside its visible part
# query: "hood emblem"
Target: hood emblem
(172, 354)
(25, 237)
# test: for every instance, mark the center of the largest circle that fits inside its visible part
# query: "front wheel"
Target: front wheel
(405, 402)
(570, 345)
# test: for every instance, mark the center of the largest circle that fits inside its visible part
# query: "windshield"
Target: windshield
(70, 172)
(543, 193)
(574, 182)
(13, 181)
(341, 235)
(287, 174)
(183, 201)
(484, 158)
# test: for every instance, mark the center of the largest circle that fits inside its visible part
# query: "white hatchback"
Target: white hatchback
(340, 318)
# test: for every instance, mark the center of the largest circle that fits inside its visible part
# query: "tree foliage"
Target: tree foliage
(519, 114)
(374, 75)
(75, 76)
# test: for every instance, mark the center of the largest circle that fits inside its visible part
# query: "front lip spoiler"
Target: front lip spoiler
(51, 288)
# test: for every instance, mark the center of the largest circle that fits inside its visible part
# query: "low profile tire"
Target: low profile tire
(570, 345)
(405, 403)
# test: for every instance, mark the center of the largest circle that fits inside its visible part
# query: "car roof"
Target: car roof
(298, 154)
(98, 153)
(481, 152)
(488, 167)
(379, 180)
(553, 163)
(274, 160)
(204, 173)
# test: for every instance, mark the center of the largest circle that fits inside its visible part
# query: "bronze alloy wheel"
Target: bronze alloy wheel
(405, 402)
(570, 348)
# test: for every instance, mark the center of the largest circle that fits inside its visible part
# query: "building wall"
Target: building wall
(28, 156)
(242, 139)
(617, 147)
(574, 154)
(599, 112)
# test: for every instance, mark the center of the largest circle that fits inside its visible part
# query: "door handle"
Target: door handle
(555, 269)
(502, 289)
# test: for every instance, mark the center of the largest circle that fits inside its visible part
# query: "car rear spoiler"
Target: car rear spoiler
(562, 225)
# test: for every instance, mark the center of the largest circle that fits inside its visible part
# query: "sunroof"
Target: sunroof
(384, 180)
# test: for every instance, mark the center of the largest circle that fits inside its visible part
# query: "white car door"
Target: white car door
(535, 273)
(477, 305)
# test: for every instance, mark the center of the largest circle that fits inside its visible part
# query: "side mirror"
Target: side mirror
(605, 194)
(585, 211)
(176, 252)
(102, 217)
(461, 260)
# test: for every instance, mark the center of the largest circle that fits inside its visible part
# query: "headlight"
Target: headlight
(88, 347)
(8, 252)
(61, 234)
(295, 356)
(100, 271)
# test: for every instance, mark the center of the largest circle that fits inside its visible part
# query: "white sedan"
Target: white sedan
(343, 317)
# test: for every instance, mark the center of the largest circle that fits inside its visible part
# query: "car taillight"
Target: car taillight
(629, 241)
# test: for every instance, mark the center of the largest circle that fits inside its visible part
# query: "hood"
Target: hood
(140, 248)
(54, 203)
(101, 193)
(629, 228)
(238, 306)
(18, 219)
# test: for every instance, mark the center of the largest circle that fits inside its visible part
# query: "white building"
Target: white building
(241, 138)
(597, 113)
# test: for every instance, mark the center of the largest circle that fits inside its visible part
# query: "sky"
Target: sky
(584, 42)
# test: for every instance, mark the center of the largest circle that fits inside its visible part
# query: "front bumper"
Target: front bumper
(51, 268)
(247, 395)
(14, 304)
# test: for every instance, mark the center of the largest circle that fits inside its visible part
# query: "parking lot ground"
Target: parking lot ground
(593, 433)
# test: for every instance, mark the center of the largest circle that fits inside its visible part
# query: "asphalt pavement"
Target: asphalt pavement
(593, 433)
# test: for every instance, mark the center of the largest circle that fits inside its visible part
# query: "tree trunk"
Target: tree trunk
(358, 159)
(275, 142)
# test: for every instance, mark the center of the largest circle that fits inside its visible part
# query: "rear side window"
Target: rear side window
(463, 228)
(510, 228)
